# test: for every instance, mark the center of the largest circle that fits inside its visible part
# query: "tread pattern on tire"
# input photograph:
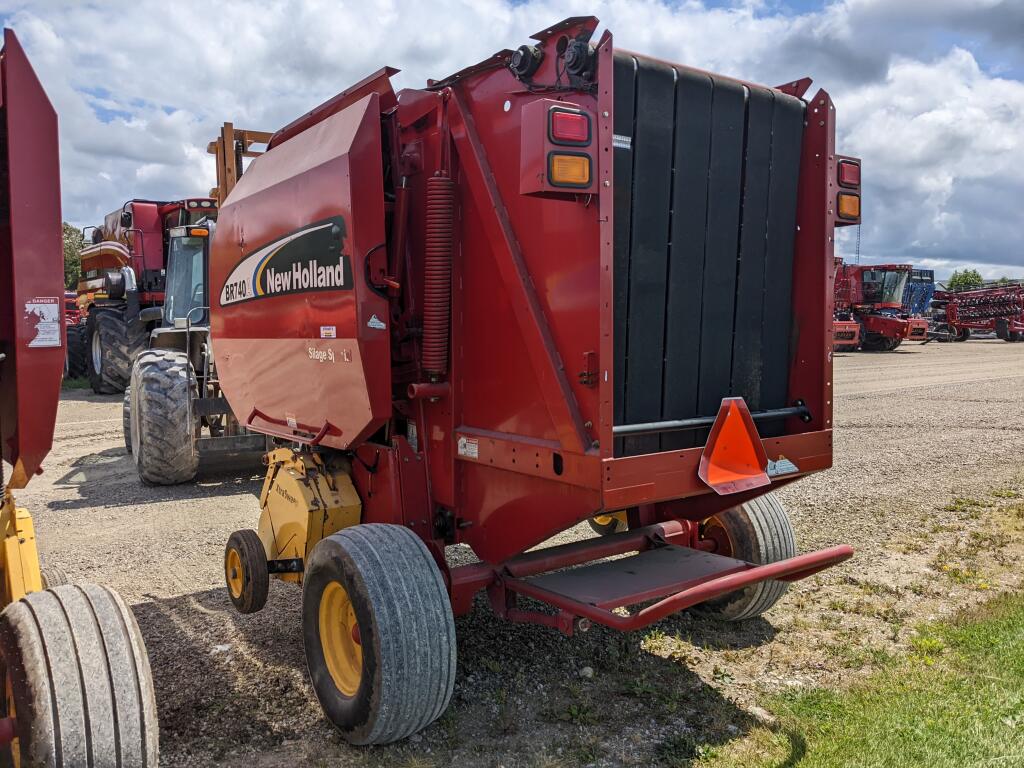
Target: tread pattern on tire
(774, 540)
(254, 564)
(78, 364)
(161, 435)
(82, 683)
(121, 342)
(126, 418)
(415, 628)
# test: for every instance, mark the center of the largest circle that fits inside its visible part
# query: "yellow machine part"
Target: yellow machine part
(303, 500)
(20, 558)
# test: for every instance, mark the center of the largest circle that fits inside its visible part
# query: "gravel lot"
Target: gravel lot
(927, 486)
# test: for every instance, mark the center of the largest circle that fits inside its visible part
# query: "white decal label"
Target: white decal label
(43, 314)
(469, 447)
(321, 355)
(376, 323)
(622, 142)
(328, 332)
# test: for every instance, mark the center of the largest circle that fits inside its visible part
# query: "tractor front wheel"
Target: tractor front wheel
(759, 532)
(78, 681)
(111, 349)
(378, 631)
(163, 422)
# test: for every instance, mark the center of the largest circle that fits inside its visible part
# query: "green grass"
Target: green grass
(956, 700)
(82, 383)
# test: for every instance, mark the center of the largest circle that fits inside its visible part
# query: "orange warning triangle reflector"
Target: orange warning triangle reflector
(734, 459)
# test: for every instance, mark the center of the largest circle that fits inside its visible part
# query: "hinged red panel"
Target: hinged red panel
(31, 270)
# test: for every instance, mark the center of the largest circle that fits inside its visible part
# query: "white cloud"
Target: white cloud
(142, 87)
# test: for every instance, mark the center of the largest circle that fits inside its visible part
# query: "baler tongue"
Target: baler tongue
(733, 459)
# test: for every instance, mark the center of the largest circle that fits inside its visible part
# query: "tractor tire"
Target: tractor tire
(378, 631)
(53, 576)
(79, 676)
(759, 532)
(126, 419)
(875, 343)
(77, 366)
(245, 571)
(606, 525)
(112, 346)
(162, 435)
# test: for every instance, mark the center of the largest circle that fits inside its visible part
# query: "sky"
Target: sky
(929, 93)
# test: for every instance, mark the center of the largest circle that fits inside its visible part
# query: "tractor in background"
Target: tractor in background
(123, 273)
(76, 683)
(174, 412)
(564, 282)
(998, 309)
(869, 312)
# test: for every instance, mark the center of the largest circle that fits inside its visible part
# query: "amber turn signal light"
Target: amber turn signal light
(569, 170)
(849, 206)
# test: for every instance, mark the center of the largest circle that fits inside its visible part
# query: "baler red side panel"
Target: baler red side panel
(308, 361)
(31, 268)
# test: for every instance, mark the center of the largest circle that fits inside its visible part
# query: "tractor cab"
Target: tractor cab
(884, 286)
(186, 300)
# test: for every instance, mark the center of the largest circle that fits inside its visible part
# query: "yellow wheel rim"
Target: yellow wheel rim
(339, 638)
(233, 573)
(609, 519)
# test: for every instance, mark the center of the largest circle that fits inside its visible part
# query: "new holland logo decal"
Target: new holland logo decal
(310, 259)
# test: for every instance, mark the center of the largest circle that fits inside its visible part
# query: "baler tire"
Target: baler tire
(53, 576)
(78, 365)
(1014, 336)
(617, 524)
(126, 419)
(80, 680)
(161, 435)
(247, 589)
(963, 335)
(759, 532)
(394, 597)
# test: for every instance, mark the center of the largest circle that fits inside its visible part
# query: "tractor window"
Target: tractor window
(195, 216)
(186, 283)
(884, 286)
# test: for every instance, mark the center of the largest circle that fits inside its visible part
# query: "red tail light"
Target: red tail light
(570, 127)
(849, 174)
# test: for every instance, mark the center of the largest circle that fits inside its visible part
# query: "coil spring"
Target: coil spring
(437, 281)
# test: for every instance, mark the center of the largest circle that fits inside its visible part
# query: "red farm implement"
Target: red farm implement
(999, 309)
(75, 677)
(121, 289)
(530, 294)
(869, 311)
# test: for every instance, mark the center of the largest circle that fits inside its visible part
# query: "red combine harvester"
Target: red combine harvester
(565, 282)
(122, 284)
(76, 683)
(999, 309)
(869, 308)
